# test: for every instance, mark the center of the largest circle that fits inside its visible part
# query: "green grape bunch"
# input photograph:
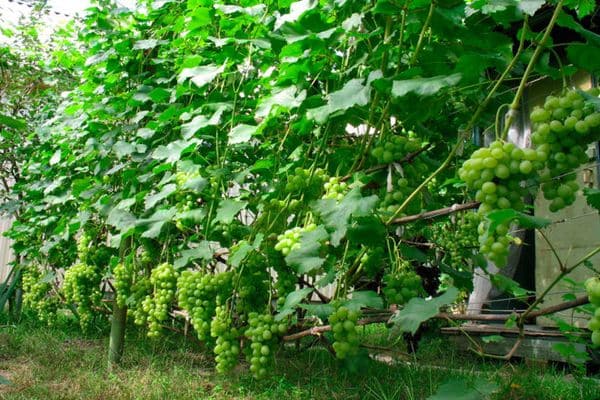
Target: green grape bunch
(343, 323)
(123, 278)
(400, 287)
(395, 148)
(335, 189)
(200, 294)
(81, 286)
(157, 304)
(563, 128)
(263, 332)
(592, 287)
(37, 294)
(290, 239)
(227, 348)
(306, 182)
(457, 240)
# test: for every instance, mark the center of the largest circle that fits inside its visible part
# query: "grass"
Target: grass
(61, 363)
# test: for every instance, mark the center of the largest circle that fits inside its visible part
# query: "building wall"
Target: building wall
(6, 254)
(576, 229)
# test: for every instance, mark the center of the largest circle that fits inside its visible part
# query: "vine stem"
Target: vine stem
(536, 54)
(422, 34)
(467, 131)
(564, 272)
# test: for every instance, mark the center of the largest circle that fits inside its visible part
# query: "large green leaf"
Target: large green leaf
(424, 86)
(241, 133)
(200, 121)
(173, 151)
(14, 123)
(203, 250)
(201, 75)
(153, 225)
(291, 302)
(419, 310)
(153, 199)
(364, 298)
(308, 257)
(337, 215)
(288, 98)
(508, 215)
(354, 93)
(228, 209)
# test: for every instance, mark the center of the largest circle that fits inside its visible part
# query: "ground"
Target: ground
(62, 363)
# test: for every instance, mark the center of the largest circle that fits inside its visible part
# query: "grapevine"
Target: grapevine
(343, 324)
(81, 286)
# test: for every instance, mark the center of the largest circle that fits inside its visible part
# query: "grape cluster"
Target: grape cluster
(402, 286)
(227, 348)
(343, 324)
(592, 287)
(290, 239)
(334, 189)
(199, 294)
(307, 182)
(140, 289)
(36, 294)
(393, 198)
(83, 246)
(81, 286)
(263, 333)
(395, 148)
(563, 128)
(498, 173)
(123, 274)
(156, 305)
(457, 239)
(372, 261)
(252, 284)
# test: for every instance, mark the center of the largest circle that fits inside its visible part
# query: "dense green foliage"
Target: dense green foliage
(234, 160)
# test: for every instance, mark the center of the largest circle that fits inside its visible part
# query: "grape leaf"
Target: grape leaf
(156, 221)
(320, 310)
(228, 209)
(352, 94)
(173, 151)
(460, 389)
(291, 301)
(592, 196)
(424, 86)
(241, 133)
(201, 75)
(152, 199)
(204, 250)
(336, 215)
(12, 122)
(288, 97)
(508, 215)
(364, 298)
(529, 7)
(419, 310)
(307, 257)
(200, 121)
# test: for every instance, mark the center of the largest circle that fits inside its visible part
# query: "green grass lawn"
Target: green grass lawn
(61, 363)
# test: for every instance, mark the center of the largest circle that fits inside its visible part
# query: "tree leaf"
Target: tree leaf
(201, 75)
(147, 44)
(296, 10)
(320, 310)
(228, 209)
(336, 215)
(419, 310)
(307, 257)
(253, 11)
(291, 301)
(460, 389)
(424, 86)
(584, 56)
